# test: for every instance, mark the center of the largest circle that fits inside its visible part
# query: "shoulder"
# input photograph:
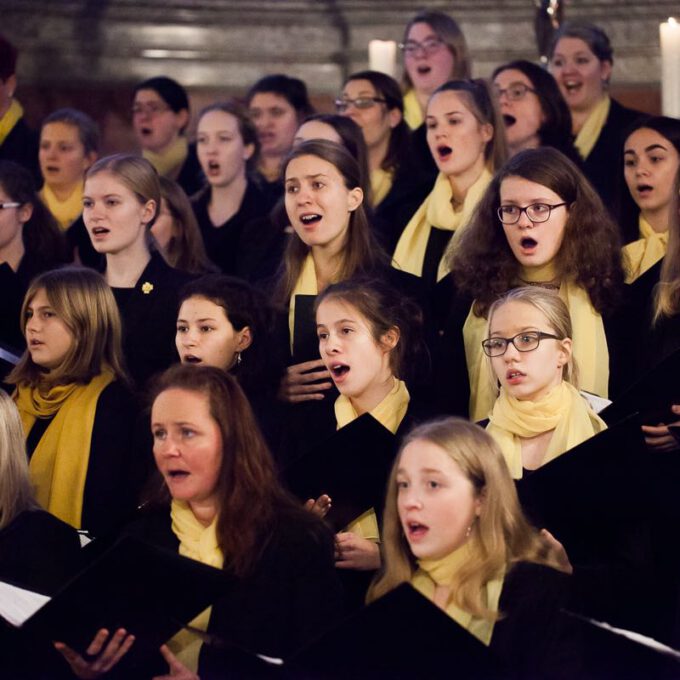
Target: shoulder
(153, 525)
(528, 585)
(158, 272)
(621, 117)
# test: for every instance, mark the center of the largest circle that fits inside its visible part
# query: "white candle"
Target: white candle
(382, 56)
(670, 67)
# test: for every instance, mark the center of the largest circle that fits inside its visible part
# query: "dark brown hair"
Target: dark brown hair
(483, 264)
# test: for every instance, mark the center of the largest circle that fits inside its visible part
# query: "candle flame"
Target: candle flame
(672, 20)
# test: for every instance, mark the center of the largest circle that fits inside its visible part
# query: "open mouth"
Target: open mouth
(213, 166)
(423, 69)
(416, 530)
(572, 86)
(310, 218)
(34, 343)
(100, 231)
(514, 374)
(52, 168)
(177, 474)
(528, 243)
(339, 370)
(444, 152)
(509, 120)
(145, 131)
(644, 189)
(191, 359)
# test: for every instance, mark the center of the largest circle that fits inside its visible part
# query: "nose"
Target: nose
(512, 354)
(524, 222)
(189, 338)
(331, 345)
(409, 498)
(167, 448)
(32, 324)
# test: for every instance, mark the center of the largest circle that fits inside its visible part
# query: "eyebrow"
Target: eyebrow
(521, 330)
(207, 318)
(448, 113)
(318, 174)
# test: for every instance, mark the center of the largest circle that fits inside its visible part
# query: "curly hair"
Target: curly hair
(484, 266)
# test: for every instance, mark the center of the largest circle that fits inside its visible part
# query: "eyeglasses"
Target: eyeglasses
(3, 206)
(341, 105)
(515, 92)
(152, 108)
(536, 212)
(412, 47)
(523, 342)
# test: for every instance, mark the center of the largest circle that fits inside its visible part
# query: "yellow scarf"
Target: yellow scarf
(65, 212)
(168, 162)
(563, 410)
(199, 543)
(381, 183)
(413, 114)
(592, 127)
(432, 573)
(59, 463)
(389, 413)
(644, 253)
(437, 211)
(10, 119)
(305, 285)
(589, 349)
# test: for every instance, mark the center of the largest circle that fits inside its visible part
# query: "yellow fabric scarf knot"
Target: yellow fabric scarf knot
(437, 211)
(199, 543)
(644, 253)
(169, 162)
(10, 119)
(381, 183)
(58, 466)
(413, 114)
(389, 413)
(563, 410)
(65, 212)
(441, 572)
(592, 127)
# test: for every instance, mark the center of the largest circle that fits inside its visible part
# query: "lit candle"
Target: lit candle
(382, 56)
(670, 67)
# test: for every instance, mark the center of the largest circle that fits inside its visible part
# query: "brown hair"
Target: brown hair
(84, 302)
(667, 291)
(483, 264)
(500, 537)
(250, 495)
(361, 252)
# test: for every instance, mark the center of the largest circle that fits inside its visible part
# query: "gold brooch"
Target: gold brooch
(147, 287)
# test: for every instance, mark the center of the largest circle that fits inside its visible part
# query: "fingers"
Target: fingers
(98, 642)
(307, 366)
(659, 430)
(178, 671)
(106, 657)
(320, 506)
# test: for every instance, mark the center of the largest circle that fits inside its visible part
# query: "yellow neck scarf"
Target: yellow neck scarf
(389, 413)
(644, 253)
(306, 285)
(437, 211)
(10, 119)
(65, 212)
(432, 573)
(413, 114)
(592, 127)
(169, 162)
(563, 410)
(381, 183)
(58, 466)
(199, 543)
(589, 345)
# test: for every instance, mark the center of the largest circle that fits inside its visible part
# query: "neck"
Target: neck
(204, 511)
(13, 252)
(4, 106)
(225, 201)
(327, 262)
(270, 167)
(658, 219)
(375, 393)
(460, 184)
(64, 191)
(164, 149)
(531, 143)
(579, 116)
(422, 97)
(377, 154)
(124, 268)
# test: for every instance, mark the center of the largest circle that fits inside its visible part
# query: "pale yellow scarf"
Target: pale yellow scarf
(58, 466)
(437, 211)
(644, 253)
(563, 410)
(413, 114)
(65, 212)
(199, 543)
(10, 119)
(589, 345)
(432, 573)
(381, 183)
(169, 162)
(389, 413)
(305, 285)
(592, 127)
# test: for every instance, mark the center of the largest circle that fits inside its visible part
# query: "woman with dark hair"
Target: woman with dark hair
(220, 502)
(581, 58)
(651, 159)
(160, 117)
(228, 147)
(277, 104)
(398, 185)
(533, 109)
(31, 243)
(540, 223)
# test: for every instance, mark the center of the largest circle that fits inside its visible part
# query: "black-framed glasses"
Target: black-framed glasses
(523, 342)
(515, 92)
(429, 46)
(10, 204)
(536, 212)
(341, 105)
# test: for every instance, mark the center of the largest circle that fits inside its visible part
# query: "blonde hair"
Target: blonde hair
(667, 291)
(84, 302)
(16, 493)
(500, 537)
(556, 313)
